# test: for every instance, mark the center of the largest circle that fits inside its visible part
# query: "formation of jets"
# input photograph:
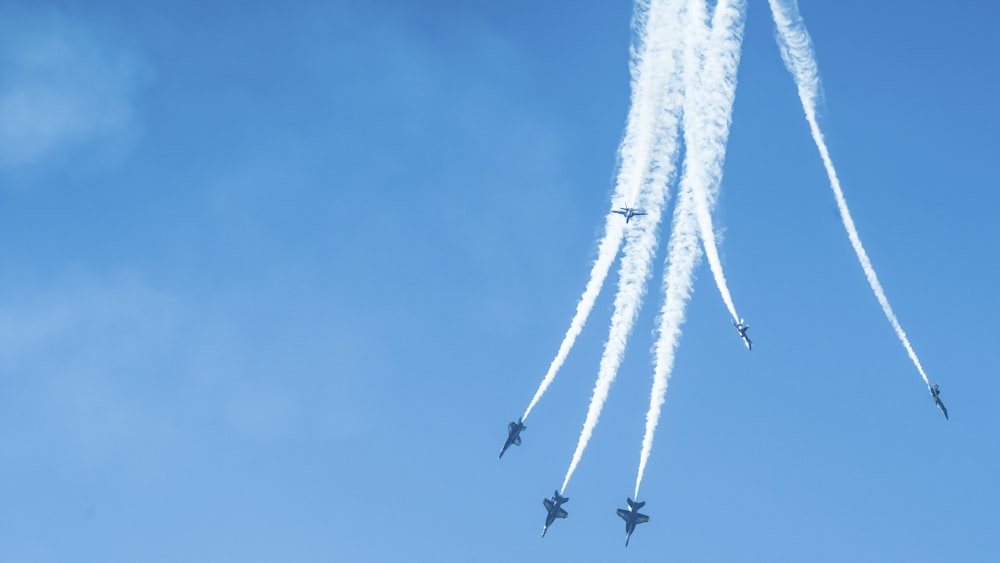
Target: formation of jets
(513, 435)
(629, 212)
(632, 517)
(554, 507)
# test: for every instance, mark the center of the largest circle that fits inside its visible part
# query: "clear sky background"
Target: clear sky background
(274, 278)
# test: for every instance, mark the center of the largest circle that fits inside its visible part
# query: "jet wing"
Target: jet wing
(547, 503)
(562, 513)
(641, 518)
(623, 513)
(511, 426)
(618, 212)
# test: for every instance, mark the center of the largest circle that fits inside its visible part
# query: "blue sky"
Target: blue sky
(275, 279)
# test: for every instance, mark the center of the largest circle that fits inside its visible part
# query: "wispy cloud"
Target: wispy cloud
(95, 365)
(63, 88)
(73, 358)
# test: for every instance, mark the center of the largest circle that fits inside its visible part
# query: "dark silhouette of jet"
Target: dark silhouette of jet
(628, 212)
(742, 328)
(632, 517)
(513, 435)
(554, 507)
(936, 393)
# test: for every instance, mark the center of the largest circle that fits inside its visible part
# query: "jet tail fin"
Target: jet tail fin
(635, 505)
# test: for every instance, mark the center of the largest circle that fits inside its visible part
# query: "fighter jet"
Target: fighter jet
(632, 517)
(936, 393)
(742, 328)
(554, 506)
(513, 435)
(628, 212)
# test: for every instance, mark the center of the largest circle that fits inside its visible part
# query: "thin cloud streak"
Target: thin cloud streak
(640, 249)
(649, 76)
(707, 117)
(797, 52)
(711, 62)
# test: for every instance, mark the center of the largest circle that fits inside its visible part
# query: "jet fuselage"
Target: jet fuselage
(632, 517)
(513, 435)
(555, 510)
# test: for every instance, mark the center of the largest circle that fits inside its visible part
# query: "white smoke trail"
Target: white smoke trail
(710, 78)
(648, 79)
(797, 52)
(640, 247)
(606, 253)
(707, 117)
(684, 253)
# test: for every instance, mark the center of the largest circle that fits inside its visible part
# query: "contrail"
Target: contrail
(683, 255)
(640, 247)
(710, 77)
(707, 117)
(648, 79)
(607, 251)
(797, 52)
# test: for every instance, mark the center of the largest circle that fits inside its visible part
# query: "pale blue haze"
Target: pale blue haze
(275, 276)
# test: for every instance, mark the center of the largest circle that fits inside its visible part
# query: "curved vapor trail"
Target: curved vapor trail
(684, 254)
(797, 52)
(648, 79)
(640, 248)
(606, 253)
(710, 78)
(707, 117)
